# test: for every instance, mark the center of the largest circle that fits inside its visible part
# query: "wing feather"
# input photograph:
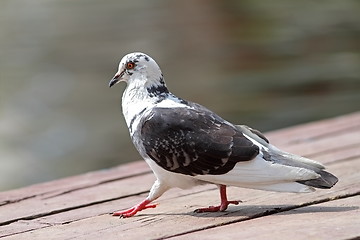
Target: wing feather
(194, 142)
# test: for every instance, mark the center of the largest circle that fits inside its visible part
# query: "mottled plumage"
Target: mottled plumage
(185, 144)
(194, 141)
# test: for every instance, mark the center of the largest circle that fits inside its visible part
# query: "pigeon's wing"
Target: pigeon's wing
(276, 155)
(194, 142)
(254, 134)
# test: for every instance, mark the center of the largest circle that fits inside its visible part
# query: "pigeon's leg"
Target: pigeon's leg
(156, 191)
(224, 203)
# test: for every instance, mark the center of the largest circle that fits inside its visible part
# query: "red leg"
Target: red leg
(224, 203)
(137, 208)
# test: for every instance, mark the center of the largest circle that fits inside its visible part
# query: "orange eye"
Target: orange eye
(130, 65)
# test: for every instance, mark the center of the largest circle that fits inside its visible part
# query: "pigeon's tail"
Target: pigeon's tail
(275, 170)
(325, 180)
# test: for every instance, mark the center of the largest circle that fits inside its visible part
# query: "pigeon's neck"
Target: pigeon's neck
(142, 95)
(157, 89)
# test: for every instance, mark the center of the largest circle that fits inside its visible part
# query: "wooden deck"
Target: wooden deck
(78, 207)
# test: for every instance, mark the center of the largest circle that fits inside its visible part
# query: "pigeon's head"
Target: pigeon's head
(138, 68)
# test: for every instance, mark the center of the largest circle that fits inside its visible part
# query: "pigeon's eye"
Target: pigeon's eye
(130, 65)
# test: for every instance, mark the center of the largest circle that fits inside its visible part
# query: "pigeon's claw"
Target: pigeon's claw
(221, 208)
(224, 203)
(137, 208)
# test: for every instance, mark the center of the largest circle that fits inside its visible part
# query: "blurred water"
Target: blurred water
(268, 65)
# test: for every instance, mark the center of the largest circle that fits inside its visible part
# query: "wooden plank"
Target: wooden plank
(331, 220)
(315, 130)
(69, 184)
(77, 214)
(326, 145)
(41, 206)
(347, 153)
(177, 218)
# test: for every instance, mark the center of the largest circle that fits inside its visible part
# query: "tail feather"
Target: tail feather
(325, 181)
(274, 170)
(290, 159)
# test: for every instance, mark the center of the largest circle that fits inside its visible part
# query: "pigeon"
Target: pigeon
(185, 144)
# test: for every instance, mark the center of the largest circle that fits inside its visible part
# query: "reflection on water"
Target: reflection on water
(256, 63)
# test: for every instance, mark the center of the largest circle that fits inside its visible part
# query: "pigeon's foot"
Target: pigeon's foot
(224, 203)
(221, 208)
(137, 208)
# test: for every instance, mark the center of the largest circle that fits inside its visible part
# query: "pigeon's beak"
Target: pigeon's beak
(116, 78)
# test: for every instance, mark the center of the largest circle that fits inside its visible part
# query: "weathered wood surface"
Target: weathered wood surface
(79, 206)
